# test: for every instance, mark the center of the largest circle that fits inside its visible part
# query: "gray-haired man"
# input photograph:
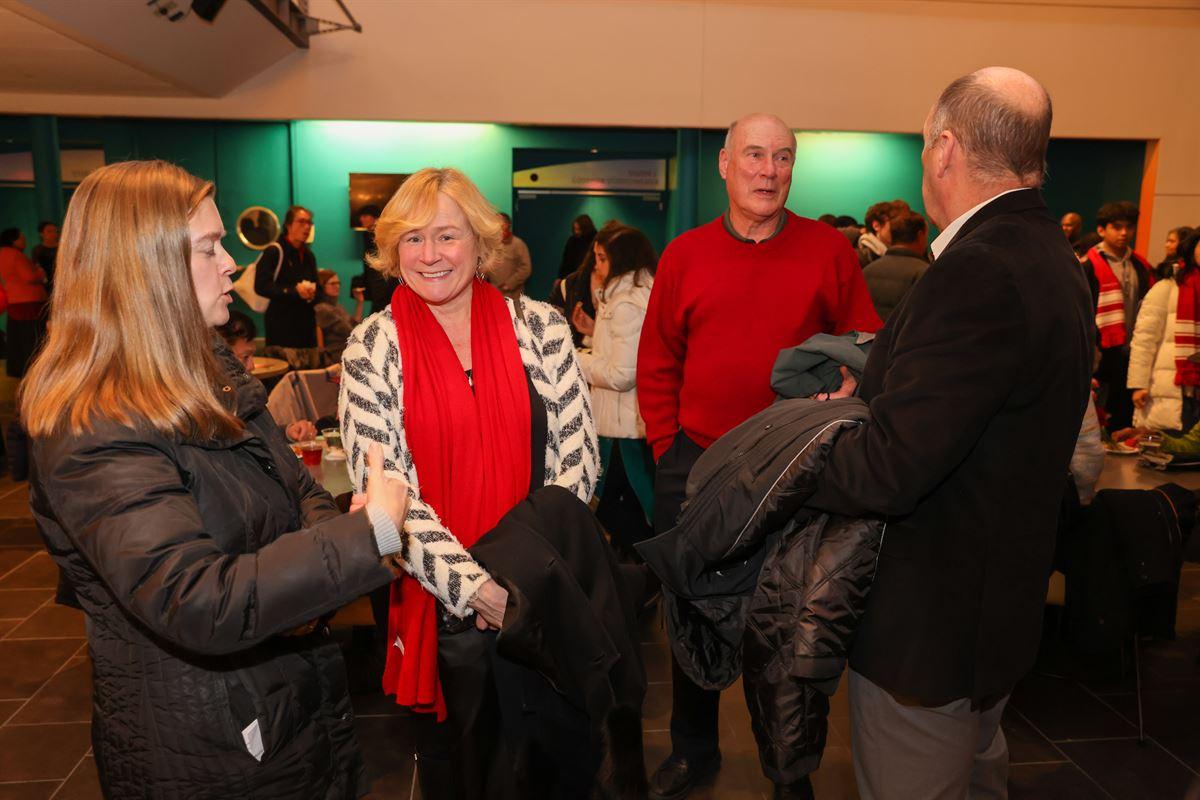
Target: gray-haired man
(991, 350)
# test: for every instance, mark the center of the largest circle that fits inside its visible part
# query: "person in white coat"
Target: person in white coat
(625, 262)
(1161, 400)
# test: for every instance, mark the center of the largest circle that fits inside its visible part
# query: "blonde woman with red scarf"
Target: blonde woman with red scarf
(476, 400)
(1162, 377)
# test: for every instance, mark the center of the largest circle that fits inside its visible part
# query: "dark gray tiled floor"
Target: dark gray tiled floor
(1124, 769)
(1056, 781)
(65, 698)
(82, 784)
(18, 604)
(36, 572)
(1071, 732)
(32, 790)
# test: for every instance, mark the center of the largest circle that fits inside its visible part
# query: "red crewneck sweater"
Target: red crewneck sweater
(722, 309)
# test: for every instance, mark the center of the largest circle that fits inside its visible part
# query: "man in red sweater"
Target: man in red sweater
(727, 297)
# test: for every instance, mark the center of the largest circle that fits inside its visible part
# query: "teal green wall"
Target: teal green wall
(276, 164)
(1084, 174)
(308, 162)
(327, 152)
(845, 173)
(248, 161)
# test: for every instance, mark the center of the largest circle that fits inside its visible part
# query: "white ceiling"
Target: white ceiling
(122, 47)
(34, 58)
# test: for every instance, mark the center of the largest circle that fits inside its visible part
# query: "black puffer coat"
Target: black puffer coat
(756, 584)
(191, 559)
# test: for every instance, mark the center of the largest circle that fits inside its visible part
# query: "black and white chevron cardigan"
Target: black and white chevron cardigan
(371, 409)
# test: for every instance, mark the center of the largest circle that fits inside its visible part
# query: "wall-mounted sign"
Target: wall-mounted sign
(74, 165)
(78, 164)
(630, 174)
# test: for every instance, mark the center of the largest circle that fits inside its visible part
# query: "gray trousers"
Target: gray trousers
(912, 752)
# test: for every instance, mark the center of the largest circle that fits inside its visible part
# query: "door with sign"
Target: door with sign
(547, 199)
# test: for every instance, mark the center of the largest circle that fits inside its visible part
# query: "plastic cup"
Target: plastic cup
(333, 438)
(310, 451)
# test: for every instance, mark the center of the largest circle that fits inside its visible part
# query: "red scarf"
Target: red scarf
(1187, 329)
(471, 450)
(1110, 306)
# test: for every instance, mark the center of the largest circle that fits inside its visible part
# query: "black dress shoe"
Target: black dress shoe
(800, 790)
(677, 776)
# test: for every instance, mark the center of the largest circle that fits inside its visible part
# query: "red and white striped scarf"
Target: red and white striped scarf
(1110, 305)
(1187, 329)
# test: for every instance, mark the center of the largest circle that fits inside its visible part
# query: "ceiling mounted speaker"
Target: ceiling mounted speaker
(207, 9)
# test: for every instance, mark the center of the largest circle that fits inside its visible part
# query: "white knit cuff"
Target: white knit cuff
(387, 538)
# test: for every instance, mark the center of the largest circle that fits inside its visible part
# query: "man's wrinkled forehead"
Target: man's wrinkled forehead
(763, 131)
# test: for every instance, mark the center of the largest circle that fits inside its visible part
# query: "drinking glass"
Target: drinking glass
(310, 451)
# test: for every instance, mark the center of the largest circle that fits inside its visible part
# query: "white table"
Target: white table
(332, 475)
(1124, 472)
(266, 368)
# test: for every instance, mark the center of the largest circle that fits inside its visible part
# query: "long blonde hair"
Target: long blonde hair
(414, 205)
(128, 341)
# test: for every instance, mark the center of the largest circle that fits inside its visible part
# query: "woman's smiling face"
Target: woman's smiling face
(439, 261)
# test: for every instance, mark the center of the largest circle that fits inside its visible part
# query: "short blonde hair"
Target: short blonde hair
(414, 205)
(128, 341)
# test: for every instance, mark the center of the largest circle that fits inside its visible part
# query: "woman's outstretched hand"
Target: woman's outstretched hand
(390, 494)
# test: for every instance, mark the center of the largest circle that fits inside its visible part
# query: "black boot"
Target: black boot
(797, 790)
(676, 777)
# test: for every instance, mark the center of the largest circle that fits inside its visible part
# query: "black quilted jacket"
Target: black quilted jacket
(190, 560)
(756, 584)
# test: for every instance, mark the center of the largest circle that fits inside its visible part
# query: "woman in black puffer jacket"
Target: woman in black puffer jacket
(202, 553)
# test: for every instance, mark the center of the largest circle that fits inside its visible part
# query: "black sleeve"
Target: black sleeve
(557, 299)
(265, 282)
(565, 267)
(1093, 283)
(379, 292)
(955, 359)
(145, 539)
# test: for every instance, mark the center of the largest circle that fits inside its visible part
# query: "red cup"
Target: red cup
(310, 451)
